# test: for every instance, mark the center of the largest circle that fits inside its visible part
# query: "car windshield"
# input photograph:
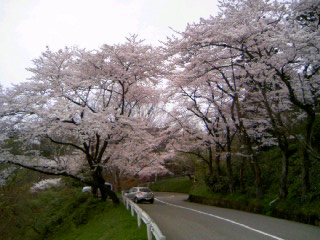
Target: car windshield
(145, 189)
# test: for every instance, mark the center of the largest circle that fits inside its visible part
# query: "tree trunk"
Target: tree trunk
(94, 191)
(306, 163)
(258, 181)
(256, 168)
(217, 164)
(284, 175)
(210, 161)
(98, 182)
(309, 109)
(111, 194)
(242, 185)
(228, 160)
(278, 126)
(230, 173)
(305, 188)
(246, 139)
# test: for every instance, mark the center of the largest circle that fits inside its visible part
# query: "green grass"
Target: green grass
(112, 222)
(202, 190)
(61, 213)
(181, 185)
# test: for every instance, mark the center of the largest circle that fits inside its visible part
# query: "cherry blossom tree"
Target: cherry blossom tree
(298, 70)
(94, 102)
(206, 129)
(281, 59)
(261, 58)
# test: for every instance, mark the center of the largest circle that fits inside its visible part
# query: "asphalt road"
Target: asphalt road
(179, 220)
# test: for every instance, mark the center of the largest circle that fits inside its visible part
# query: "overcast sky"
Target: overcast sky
(28, 26)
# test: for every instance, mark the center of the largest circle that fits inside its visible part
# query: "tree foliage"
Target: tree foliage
(236, 85)
(100, 103)
(252, 71)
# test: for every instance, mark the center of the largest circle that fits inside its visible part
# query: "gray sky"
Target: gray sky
(28, 26)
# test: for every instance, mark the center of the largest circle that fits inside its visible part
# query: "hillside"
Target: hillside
(61, 212)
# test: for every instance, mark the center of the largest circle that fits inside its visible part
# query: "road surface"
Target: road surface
(179, 220)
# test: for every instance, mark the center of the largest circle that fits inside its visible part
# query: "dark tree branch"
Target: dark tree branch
(48, 170)
(66, 144)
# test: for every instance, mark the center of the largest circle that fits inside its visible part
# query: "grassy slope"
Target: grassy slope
(182, 184)
(111, 223)
(61, 213)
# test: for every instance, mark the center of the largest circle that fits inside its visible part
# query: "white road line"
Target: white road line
(224, 219)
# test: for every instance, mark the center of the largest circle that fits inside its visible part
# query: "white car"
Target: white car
(139, 194)
(88, 188)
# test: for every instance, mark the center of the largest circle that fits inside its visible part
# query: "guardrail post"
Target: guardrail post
(139, 219)
(149, 233)
(132, 210)
(127, 204)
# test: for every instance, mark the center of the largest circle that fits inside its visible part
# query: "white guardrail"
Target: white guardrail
(152, 227)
